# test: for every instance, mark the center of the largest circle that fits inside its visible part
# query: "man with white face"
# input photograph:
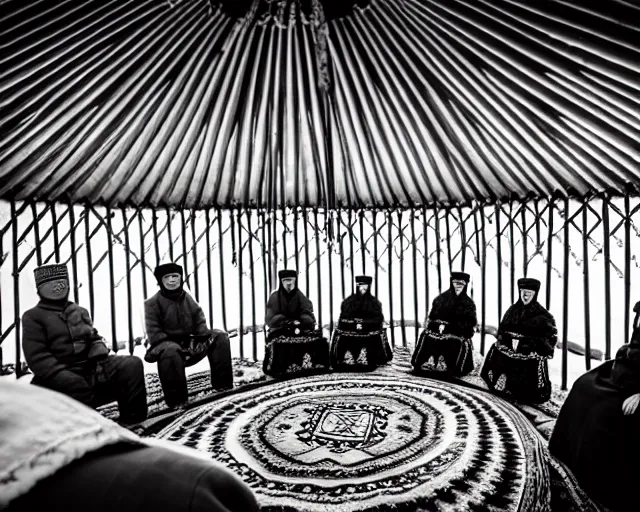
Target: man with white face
(293, 345)
(178, 337)
(516, 365)
(172, 281)
(459, 285)
(527, 296)
(360, 340)
(445, 346)
(66, 354)
(289, 283)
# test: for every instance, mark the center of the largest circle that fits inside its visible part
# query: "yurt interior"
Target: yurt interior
(305, 255)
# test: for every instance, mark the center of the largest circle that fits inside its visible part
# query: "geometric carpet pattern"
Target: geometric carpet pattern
(365, 442)
(566, 495)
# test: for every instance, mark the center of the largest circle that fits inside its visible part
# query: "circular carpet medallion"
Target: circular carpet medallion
(370, 442)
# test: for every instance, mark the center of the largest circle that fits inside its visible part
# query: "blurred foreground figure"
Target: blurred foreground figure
(294, 346)
(360, 342)
(445, 345)
(57, 454)
(66, 354)
(596, 433)
(178, 337)
(517, 363)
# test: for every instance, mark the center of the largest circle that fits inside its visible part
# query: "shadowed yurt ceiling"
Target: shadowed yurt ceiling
(372, 103)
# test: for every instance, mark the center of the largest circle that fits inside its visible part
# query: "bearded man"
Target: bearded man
(66, 354)
(445, 345)
(178, 337)
(294, 346)
(360, 341)
(517, 363)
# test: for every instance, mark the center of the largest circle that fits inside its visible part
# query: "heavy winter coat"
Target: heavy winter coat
(458, 311)
(59, 337)
(534, 323)
(365, 308)
(173, 320)
(284, 308)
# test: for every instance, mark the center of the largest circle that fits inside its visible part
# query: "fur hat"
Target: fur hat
(284, 274)
(364, 279)
(528, 283)
(167, 268)
(461, 276)
(47, 273)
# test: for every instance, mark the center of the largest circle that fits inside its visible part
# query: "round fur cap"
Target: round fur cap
(529, 283)
(284, 274)
(167, 268)
(460, 276)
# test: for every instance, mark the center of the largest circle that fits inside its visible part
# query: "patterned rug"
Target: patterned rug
(372, 442)
(566, 495)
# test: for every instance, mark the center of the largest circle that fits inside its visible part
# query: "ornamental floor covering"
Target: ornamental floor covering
(361, 442)
(385, 440)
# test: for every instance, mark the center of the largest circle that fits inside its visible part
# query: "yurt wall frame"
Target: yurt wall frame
(231, 258)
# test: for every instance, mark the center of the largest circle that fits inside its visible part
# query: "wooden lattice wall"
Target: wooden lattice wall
(582, 251)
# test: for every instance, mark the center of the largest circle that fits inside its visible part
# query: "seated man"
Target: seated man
(445, 345)
(59, 455)
(360, 342)
(65, 352)
(178, 336)
(516, 364)
(293, 346)
(596, 433)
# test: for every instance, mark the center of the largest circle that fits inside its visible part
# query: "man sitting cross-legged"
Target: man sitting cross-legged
(445, 347)
(294, 346)
(517, 363)
(360, 340)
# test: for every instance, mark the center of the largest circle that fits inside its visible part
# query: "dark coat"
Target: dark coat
(57, 338)
(598, 443)
(365, 308)
(533, 322)
(284, 308)
(173, 320)
(459, 311)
